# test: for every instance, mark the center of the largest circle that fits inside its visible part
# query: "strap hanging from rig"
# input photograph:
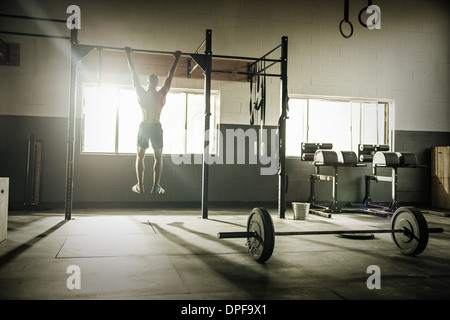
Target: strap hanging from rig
(257, 95)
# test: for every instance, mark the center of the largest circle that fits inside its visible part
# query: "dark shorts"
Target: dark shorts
(152, 132)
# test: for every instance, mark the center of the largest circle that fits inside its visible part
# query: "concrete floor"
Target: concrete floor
(175, 255)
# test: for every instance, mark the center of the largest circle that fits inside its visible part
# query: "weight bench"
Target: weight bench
(393, 160)
(336, 160)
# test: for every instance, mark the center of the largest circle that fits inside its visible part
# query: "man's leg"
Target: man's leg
(157, 171)
(140, 168)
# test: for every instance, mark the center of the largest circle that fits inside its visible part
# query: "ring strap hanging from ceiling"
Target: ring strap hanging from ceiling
(257, 95)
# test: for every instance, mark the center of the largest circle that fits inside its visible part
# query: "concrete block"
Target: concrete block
(4, 197)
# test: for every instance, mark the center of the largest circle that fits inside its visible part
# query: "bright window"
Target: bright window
(344, 122)
(111, 117)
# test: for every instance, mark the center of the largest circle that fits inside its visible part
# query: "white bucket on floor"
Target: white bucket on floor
(301, 210)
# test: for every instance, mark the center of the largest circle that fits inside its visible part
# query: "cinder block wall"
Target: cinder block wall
(407, 60)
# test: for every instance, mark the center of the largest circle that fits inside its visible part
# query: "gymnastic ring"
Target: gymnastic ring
(359, 17)
(351, 28)
(362, 23)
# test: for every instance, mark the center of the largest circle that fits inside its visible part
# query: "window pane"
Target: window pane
(356, 125)
(173, 119)
(99, 119)
(295, 126)
(129, 119)
(213, 121)
(381, 125)
(370, 126)
(329, 121)
(195, 123)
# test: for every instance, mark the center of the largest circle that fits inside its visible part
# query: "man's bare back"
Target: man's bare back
(152, 103)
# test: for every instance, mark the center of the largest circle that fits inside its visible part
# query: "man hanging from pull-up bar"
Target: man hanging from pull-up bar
(151, 101)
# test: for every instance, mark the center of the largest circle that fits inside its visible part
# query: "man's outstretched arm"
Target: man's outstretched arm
(165, 89)
(134, 76)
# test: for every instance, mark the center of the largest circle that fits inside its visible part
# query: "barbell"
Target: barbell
(409, 231)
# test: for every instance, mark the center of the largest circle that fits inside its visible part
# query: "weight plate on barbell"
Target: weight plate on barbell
(357, 236)
(261, 246)
(415, 238)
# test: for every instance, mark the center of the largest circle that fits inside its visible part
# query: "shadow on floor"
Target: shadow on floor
(253, 280)
(29, 244)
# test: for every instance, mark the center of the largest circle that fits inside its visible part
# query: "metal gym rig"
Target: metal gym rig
(256, 67)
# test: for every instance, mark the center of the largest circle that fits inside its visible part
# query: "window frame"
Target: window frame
(389, 119)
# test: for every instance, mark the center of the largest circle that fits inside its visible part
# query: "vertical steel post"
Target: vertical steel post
(205, 175)
(31, 168)
(282, 130)
(71, 124)
(394, 177)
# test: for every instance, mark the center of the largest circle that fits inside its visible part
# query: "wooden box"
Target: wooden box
(440, 177)
(4, 199)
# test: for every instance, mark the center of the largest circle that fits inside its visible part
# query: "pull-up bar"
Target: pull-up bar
(143, 50)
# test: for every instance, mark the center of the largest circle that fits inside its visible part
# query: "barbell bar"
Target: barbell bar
(409, 232)
(231, 235)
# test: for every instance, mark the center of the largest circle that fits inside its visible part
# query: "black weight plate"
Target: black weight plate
(415, 239)
(261, 246)
(357, 236)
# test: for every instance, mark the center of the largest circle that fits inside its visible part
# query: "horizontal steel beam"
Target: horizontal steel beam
(244, 58)
(246, 73)
(32, 18)
(34, 35)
